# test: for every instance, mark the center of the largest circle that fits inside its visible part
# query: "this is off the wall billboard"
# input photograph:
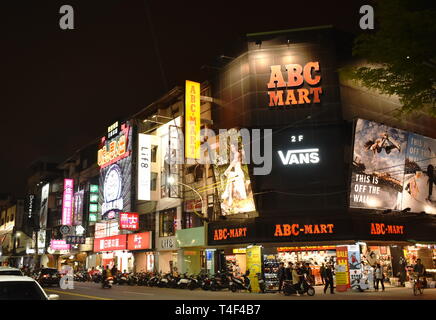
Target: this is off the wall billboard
(392, 169)
(115, 161)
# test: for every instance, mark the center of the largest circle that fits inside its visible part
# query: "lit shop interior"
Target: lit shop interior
(361, 257)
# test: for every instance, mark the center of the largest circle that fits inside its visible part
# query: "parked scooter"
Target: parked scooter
(305, 287)
(220, 281)
(108, 282)
(261, 282)
(243, 283)
(122, 278)
(183, 282)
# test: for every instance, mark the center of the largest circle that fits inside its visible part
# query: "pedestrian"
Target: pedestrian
(114, 271)
(296, 279)
(379, 276)
(329, 279)
(309, 274)
(288, 271)
(322, 273)
(281, 275)
(402, 272)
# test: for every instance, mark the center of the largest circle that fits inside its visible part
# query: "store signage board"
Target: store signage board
(129, 221)
(139, 241)
(111, 243)
(115, 161)
(65, 230)
(292, 92)
(254, 264)
(342, 269)
(192, 120)
(67, 202)
(75, 239)
(295, 229)
(167, 243)
(43, 212)
(144, 167)
(386, 229)
(59, 245)
(30, 204)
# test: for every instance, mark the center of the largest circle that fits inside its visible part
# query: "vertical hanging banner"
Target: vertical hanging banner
(144, 167)
(67, 203)
(342, 272)
(192, 120)
(254, 264)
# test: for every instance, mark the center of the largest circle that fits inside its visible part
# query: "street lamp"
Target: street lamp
(171, 180)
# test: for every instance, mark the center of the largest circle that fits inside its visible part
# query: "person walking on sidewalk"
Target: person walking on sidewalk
(329, 279)
(379, 277)
(322, 273)
(281, 275)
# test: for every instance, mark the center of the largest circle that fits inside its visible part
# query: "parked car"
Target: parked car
(48, 277)
(22, 288)
(8, 271)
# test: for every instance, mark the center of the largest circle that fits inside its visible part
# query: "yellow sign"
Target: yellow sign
(241, 250)
(192, 120)
(254, 264)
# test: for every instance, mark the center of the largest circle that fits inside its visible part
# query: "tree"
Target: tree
(401, 54)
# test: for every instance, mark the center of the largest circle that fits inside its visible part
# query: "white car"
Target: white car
(8, 271)
(22, 288)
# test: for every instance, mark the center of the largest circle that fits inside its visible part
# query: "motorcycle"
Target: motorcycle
(305, 287)
(237, 283)
(154, 280)
(132, 279)
(184, 281)
(206, 283)
(220, 281)
(163, 281)
(261, 282)
(108, 282)
(122, 278)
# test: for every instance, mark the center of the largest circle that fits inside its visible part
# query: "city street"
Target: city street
(93, 291)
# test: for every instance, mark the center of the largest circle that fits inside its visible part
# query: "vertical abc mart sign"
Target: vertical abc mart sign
(192, 120)
(67, 202)
(144, 167)
(292, 91)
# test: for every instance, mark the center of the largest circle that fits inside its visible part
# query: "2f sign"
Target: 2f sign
(367, 20)
(67, 20)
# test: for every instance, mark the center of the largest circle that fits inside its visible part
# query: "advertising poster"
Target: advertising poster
(78, 208)
(115, 161)
(354, 264)
(231, 173)
(254, 265)
(171, 146)
(342, 269)
(378, 166)
(43, 212)
(392, 169)
(419, 177)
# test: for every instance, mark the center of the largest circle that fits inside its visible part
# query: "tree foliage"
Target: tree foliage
(401, 53)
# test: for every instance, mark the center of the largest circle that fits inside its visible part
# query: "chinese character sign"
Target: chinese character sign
(59, 245)
(67, 203)
(129, 221)
(111, 243)
(139, 241)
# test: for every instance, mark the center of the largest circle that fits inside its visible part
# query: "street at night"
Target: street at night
(92, 291)
(184, 153)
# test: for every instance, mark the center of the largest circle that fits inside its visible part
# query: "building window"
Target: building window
(147, 222)
(166, 223)
(153, 184)
(153, 153)
(191, 220)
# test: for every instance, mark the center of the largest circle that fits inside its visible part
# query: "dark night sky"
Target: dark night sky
(60, 89)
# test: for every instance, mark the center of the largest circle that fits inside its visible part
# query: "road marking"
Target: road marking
(77, 294)
(145, 294)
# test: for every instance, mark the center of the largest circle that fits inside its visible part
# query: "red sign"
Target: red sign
(129, 221)
(111, 243)
(139, 241)
(223, 234)
(286, 230)
(382, 229)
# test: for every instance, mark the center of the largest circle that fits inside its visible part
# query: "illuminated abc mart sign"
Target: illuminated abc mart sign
(292, 92)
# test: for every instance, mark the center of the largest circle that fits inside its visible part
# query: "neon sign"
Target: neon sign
(223, 234)
(382, 229)
(286, 230)
(115, 149)
(281, 92)
(67, 202)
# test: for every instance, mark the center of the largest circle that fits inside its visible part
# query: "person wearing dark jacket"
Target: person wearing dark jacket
(322, 273)
(328, 279)
(288, 272)
(281, 275)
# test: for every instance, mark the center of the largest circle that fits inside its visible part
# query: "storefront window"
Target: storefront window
(166, 223)
(191, 220)
(153, 184)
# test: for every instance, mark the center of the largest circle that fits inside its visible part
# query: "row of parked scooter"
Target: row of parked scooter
(219, 281)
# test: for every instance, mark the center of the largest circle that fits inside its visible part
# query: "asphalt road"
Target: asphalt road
(93, 291)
